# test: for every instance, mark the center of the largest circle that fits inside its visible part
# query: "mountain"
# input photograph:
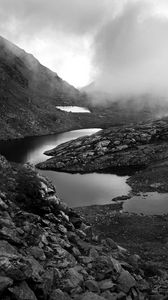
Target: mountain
(29, 94)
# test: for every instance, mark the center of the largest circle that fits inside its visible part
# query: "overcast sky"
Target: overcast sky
(115, 42)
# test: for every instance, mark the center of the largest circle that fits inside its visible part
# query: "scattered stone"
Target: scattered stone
(73, 279)
(22, 292)
(37, 253)
(5, 282)
(126, 281)
(60, 295)
(90, 296)
(92, 286)
(50, 254)
(106, 284)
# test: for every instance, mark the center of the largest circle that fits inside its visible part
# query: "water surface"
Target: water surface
(74, 109)
(148, 204)
(75, 189)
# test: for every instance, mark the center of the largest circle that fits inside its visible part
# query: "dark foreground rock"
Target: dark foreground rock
(49, 252)
(117, 148)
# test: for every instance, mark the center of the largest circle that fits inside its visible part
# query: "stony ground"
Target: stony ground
(48, 251)
(113, 149)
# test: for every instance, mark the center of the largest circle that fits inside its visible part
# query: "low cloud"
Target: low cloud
(120, 45)
(131, 52)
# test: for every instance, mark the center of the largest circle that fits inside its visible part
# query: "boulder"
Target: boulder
(5, 282)
(22, 292)
(92, 286)
(57, 294)
(37, 253)
(91, 296)
(6, 250)
(73, 279)
(126, 281)
(106, 284)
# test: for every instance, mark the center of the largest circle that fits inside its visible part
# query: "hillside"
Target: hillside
(29, 93)
(49, 252)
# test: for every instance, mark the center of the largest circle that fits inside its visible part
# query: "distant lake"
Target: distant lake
(74, 109)
(74, 189)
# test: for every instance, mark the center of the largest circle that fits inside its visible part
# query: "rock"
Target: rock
(36, 269)
(109, 296)
(92, 286)
(116, 265)
(73, 279)
(62, 229)
(110, 243)
(37, 253)
(116, 143)
(5, 282)
(75, 219)
(6, 250)
(3, 205)
(93, 253)
(22, 292)
(4, 164)
(52, 255)
(134, 146)
(106, 284)
(48, 281)
(16, 269)
(126, 281)
(120, 148)
(57, 294)
(90, 296)
(81, 234)
(86, 259)
(10, 234)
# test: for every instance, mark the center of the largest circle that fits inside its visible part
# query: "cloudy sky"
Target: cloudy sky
(117, 43)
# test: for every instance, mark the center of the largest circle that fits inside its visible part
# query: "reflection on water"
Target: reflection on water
(74, 109)
(149, 204)
(31, 149)
(87, 189)
(75, 189)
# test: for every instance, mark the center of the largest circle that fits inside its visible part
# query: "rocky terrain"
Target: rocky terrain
(112, 149)
(48, 251)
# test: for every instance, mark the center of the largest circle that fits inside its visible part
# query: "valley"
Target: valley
(89, 222)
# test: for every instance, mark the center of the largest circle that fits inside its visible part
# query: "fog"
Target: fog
(131, 52)
(123, 43)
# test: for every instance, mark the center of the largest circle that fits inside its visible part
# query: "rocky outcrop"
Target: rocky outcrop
(113, 149)
(48, 252)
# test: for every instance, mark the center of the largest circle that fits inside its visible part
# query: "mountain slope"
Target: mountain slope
(29, 93)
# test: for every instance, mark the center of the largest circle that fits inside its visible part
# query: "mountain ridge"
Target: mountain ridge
(29, 94)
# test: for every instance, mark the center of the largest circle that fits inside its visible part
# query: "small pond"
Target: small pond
(74, 109)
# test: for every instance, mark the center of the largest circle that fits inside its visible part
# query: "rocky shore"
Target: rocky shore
(49, 252)
(113, 149)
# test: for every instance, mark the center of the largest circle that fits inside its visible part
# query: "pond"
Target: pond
(74, 189)
(74, 109)
(149, 204)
